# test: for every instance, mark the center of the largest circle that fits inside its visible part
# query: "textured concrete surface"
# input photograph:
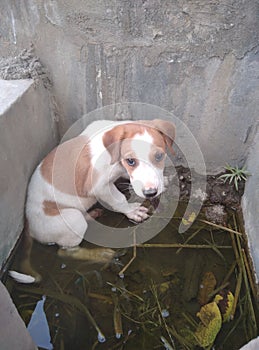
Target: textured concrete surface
(13, 332)
(27, 133)
(198, 59)
(250, 202)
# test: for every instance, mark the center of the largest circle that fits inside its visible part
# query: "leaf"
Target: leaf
(226, 176)
(243, 176)
(164, 287)
(190, 219)
(210, 325)
(207, 286)
(235, 174)
(236, 183)
(225, 301)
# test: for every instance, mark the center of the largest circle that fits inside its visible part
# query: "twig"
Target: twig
(179, 245)
(220, 226)
(231, 270)
(216, 250)
(101, 297)
(239, 252)
(240, 276)
(215, 291)
(154, 292)
(124, 290)
(250, 303)
(250, 277)
(189, 238)
(121, 273)
(117, 322)
(236, 296)
(190, 320)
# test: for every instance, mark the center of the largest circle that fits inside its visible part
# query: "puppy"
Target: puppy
(81, 171)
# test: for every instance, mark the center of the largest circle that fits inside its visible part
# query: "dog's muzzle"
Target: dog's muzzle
(150, 193)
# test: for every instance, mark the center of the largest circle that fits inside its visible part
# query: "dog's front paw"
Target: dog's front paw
(137, 212)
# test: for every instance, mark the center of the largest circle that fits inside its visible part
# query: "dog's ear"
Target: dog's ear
(167, 129)
(112, 141)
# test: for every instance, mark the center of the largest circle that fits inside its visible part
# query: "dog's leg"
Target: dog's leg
(28, 274)
(72, 225)
(114, 198)
(93, 214)
(97, 255)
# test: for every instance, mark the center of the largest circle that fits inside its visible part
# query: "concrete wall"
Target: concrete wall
(198, 59)
(27, 133)
(13, 332)
(250, 202)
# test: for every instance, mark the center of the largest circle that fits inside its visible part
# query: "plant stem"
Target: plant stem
(221, 227)
(179, 245)
(189, 238)
(65, 298)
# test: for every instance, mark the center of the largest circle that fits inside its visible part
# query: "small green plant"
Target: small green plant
(235, 175)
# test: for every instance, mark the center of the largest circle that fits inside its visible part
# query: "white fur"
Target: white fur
(145, 175)
(68, 228)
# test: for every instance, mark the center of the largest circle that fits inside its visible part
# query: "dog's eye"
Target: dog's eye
(159, 156)
(131, 161)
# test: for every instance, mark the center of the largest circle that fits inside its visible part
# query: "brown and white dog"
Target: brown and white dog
(81, 171)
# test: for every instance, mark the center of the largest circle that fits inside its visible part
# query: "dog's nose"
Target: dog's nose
(151, 192)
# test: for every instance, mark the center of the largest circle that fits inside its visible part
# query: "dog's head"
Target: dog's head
(141, 149)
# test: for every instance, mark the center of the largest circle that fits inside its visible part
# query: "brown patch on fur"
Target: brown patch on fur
(68, 167)
(166, 128)
(85, 174)
(156, 128)
(112, 139)
(51, 208)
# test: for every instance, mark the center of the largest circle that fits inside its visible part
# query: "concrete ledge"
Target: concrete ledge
(11, 91)
(27, 133)
(250, 204)
(13, 333)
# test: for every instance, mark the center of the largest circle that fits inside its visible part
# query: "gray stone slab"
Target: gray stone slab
(250, 203)
(27, 133)
(13, 332)
(11, 91)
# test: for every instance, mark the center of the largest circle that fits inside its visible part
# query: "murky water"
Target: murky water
(154, 306)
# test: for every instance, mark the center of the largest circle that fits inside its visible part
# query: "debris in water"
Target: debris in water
(207, 286)
(167, 346)
(38, 326)
(117, 322)
(225, 301)
(165, 313)
(210, 325)
(190, 219)
(101, 337)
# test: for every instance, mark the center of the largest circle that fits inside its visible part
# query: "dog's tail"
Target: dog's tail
(28, 274)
